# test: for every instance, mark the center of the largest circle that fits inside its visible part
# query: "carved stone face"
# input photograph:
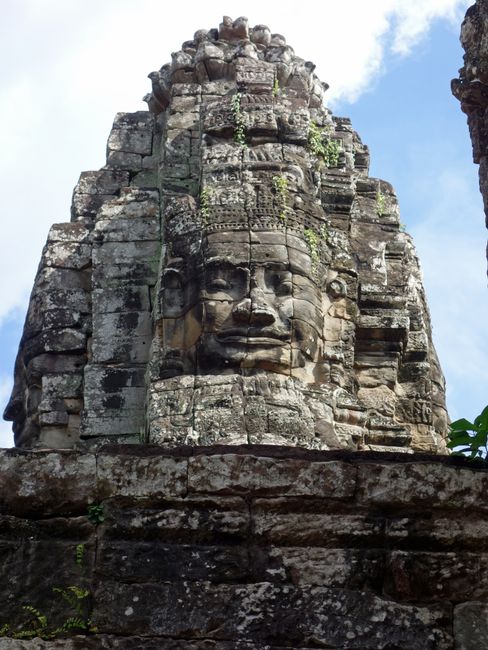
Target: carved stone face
(260, 305)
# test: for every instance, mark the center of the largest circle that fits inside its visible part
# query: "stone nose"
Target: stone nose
(261, 316)
(261, 311)
(254, 310)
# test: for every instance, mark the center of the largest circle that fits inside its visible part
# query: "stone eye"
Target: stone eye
(283, 287)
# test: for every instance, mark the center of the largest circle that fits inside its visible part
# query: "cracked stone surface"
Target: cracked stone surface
(232, 275)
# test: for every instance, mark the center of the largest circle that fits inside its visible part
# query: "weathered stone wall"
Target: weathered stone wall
(472, 87)
(253, 547)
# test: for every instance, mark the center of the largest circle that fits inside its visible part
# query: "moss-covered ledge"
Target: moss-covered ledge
(236, 547)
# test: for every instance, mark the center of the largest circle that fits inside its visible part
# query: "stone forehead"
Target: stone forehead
(267, 247)
(257, 243)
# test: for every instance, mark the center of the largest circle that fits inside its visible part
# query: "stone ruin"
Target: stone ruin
(173, 329)
(231, 275)
(472, 87)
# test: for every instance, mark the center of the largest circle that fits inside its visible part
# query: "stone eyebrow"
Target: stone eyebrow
(224, 262)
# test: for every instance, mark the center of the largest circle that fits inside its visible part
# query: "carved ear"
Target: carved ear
(172, 293)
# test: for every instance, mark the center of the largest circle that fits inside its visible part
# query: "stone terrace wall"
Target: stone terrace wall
(246, 548)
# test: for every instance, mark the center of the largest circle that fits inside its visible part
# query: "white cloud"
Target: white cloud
(73, 65)
(413, 19)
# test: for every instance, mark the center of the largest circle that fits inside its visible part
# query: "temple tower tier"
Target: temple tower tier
(232, 275)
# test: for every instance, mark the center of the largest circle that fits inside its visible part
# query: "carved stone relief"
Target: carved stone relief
(235, 275)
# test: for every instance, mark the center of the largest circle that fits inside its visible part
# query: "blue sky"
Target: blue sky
(73, 65)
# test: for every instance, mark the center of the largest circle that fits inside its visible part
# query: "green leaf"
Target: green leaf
(482, 420)
(460, 433)
(462, 425)
(461, 438)
(480, 439)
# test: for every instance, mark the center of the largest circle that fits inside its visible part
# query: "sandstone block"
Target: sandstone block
(423, 483)
(464, 575)
(47, 482)
(333, 617)
(470, 625)
(130, 140)
(105, 181)
(232, 473)
(300, 522)
(140, 476)
(190, 520)
(156, 562)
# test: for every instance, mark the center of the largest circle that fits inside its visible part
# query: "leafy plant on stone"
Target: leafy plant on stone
(75, 597)
(239, 122)
(324, 233)
(38, 626)
(204, 203)
(79, 554)
(280, 185)
(470, 438)
(276, 87)
(96, 514)
(322, 146)
(380, 203)
(312, 240)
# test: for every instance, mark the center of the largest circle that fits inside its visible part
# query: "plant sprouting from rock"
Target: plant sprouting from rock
(380, 203)
(280, 185)
(79, 554)
(38, 624)
(322, 146)
(205, 203)
(238, 117)
(96, 514)
(313, 243)
(470, 438)
(276, 87)
(324, 233)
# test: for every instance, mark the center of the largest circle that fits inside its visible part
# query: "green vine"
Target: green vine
(96, 514)
(276, 87)
(280, 185)
(313, 242)
(205, 204)
(79, 555)
(239, 122)
(381, 203)
(322, 146)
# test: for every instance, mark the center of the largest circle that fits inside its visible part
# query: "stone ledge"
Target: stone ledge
(64, 481)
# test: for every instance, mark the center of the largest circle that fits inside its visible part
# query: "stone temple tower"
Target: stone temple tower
(231, 275)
